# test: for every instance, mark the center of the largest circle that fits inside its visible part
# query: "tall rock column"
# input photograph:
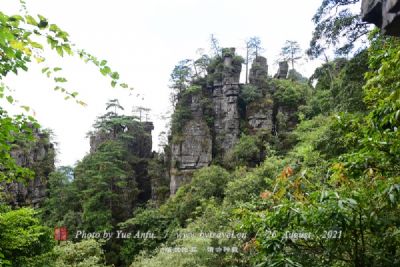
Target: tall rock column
(259, 112)
(225, 103)
(39, 157)
(192, 149)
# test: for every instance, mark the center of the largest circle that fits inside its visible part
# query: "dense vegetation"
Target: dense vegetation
(325, 193)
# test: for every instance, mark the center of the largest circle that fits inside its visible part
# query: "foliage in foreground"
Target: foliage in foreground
(331, 200)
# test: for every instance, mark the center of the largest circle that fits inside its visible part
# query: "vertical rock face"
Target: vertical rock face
(40, 159)
(282, 71)
(260, 114)
(225, 104)
(140, 147)
(383, 13)
(193, 150)
(199, 140)
(258, 71)
(205, 138)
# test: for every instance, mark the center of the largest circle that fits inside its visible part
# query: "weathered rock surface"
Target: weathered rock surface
(193, 150)
(39, 158)
(383, 13)
(140, 146)
(260, 114)
(282, 71)
(205, 138)
(225, 105)
(258, 71)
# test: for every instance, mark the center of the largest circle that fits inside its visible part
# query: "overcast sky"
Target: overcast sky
(143, 40)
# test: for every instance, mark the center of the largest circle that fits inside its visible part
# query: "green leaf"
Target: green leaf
(10, 99)
(113, 83)
(60, 79)
(26, 108)
(54, 28)
(106, 70)
(31, 20)
(36, 45)
(68, 50)
(60, 51)
(17, 17)
(115, 75)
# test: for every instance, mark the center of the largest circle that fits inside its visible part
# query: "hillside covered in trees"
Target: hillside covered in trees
(274, 170)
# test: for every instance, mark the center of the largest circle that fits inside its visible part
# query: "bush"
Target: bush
(23, 238)
(250, 93)
(290, 93)
(246, 152)
(87, 253)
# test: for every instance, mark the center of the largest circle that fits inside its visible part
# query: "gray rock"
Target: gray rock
(191, 153)
(40, 158)
(383, 13)
(283, 70)
(195, 148)
(141, 146)
(258, 71)
(225, 106)
(260, 114)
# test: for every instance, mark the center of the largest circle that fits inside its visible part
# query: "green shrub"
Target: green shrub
(246, 152)
(87, 253)
(23, 240)
(250, 93)
(290, 93)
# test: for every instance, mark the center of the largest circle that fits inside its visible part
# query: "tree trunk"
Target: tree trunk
(247, 63)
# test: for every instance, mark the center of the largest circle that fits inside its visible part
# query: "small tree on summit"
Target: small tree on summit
(114, 103)
(253, 47)
(291, 52)
(180, 79)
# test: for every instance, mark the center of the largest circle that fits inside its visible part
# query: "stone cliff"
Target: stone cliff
(225, 103)
(385, 14)
(39, 157)
(206, 137)
(139, 148)
(200, 141)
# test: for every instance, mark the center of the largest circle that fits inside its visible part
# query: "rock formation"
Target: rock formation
(39, 157)
(258, 71)
(206, 138)
(139, 147)
(194, 150)
(282, 71)
(385, 14)
(225, 104)
(199, 140)
(260, 114)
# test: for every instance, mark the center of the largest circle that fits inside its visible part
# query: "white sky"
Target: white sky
(143, 40)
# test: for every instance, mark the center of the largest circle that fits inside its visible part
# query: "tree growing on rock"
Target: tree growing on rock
(253, 47)
(181, 77)
(291, 52)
